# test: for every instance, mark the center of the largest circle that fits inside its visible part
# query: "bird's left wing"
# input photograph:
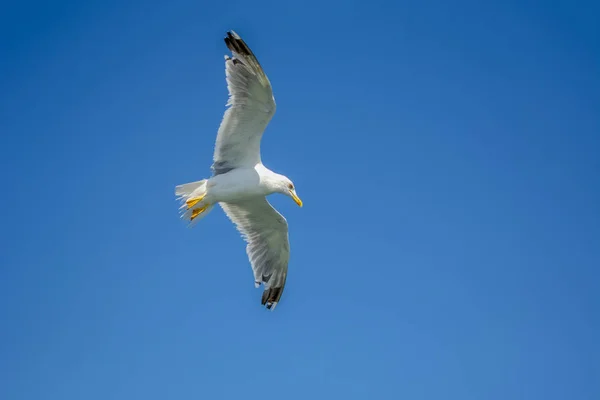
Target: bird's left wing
(251, 108)
(266, 232)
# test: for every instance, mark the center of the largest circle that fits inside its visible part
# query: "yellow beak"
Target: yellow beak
(296, 198)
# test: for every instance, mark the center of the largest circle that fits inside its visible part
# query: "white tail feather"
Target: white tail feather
(189, 190)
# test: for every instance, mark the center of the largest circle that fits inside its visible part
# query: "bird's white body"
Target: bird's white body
(240, 182)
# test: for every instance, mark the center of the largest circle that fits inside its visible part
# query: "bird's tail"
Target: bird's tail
(194, 206)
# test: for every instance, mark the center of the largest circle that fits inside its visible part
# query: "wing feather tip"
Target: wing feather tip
(271, 297)
(236, 44)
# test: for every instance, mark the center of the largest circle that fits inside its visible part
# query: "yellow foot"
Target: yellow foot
(197, 212)
(191, 202)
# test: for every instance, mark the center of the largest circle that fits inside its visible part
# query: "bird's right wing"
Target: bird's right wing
(266, 232)
(251, 108)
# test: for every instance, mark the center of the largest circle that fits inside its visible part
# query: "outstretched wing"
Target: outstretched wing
(266, 232)
(251, 108)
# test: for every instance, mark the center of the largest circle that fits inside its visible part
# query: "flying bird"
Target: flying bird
(240, 182)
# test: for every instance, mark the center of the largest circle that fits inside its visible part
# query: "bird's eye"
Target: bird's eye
(290, 186)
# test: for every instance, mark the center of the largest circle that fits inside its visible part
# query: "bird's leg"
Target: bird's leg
(198, 211)
(192, 201)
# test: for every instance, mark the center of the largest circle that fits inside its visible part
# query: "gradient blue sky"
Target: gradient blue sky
(446, 153)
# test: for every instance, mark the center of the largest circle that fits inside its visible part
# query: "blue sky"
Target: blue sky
(446, 153)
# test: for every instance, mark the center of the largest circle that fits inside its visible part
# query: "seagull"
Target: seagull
(240, 182)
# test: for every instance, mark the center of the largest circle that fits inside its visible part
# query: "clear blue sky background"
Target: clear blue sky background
(447, 155)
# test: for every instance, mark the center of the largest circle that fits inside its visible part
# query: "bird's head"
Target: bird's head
(287, 187)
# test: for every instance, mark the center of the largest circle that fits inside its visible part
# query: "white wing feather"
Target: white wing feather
(266, 232)
(251, 107)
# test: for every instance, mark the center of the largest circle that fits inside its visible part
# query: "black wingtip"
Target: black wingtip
(236, 44)
(271, 297)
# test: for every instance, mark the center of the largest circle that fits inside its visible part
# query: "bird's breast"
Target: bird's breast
(236, 185)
